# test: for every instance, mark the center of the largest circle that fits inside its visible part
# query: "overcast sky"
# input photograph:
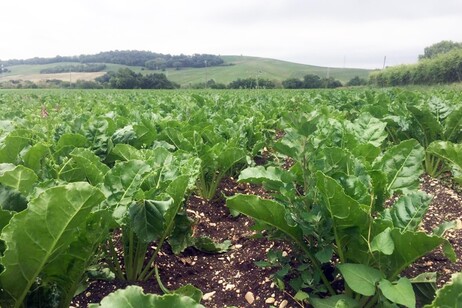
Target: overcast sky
(351, 33)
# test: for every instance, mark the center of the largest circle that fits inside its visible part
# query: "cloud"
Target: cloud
(320, 32)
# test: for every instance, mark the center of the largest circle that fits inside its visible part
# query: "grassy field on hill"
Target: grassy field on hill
(235, 67)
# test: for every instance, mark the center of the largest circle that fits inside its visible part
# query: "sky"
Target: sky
(336, 33)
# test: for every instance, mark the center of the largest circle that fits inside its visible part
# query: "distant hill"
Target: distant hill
(243, 67)
(232, 68)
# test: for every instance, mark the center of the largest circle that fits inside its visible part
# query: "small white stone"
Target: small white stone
(208, 296)
(270, 300)
(283, 304)
(229, 286)
(249, 297)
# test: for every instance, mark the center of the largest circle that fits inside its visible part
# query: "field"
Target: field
(345, 198)
(235, 67)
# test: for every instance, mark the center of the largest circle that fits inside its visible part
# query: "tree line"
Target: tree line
(125, 78)
(440, 63)
(88, 68)
(148, 59)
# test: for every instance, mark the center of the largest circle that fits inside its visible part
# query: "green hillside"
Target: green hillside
(234, 67)
(243, 67)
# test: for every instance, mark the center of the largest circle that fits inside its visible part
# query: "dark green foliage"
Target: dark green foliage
(127, 79)
(131, 58)
(252, 83)
(441, 67)
(356, 81)
(74, 68)
(292, 83)
(311, 81)
(439, 48)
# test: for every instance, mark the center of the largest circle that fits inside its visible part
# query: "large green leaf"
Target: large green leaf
(267, 211)
(122, 182)
(409, 246)
(43, 231)
(228, 158)
(124, 152)
(369, 129)
(403, 166)
(34, 156)
(345, 211)
(13, 144)
(383, 242)
(425, 126)
(424, 286)
(147, 218)
(450, 152)
(272, 177)
(408, 211)
(399, 292)
(361, 278)
(450, 295)
(19, 178)
(453, 126)
(68, 269)
(90, 164)
(133, 297)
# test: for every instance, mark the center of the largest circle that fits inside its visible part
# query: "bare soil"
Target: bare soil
(226, 278)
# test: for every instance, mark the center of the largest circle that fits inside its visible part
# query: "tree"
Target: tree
(312, 81)
(356, 81)
(292, 83)
(331, 83)
(439, 48)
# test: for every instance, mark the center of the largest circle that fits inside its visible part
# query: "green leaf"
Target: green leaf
(367, 151)
(383, 242)
(124, 152)
(90, 164)
(336, 301)
(450, 295)
(403, 166)
(345, 211)
(147, 218)
(33, 157)
(68, 269)
(267, 211)
(400, 292)
(453, 126)
(42, 231)
(369, 130)
(228, 158)
(71, 141)
(259, 175)
(122, 182)
(425, 126)
(408, 211)
(361, 278)
(133, 297)
(409, 246)
(13, 144)
(181, 236)
(441, 229)
(19, 178)
(206, 244)
(12, 200)
(424, 286)
(190, 291)
(450, 152)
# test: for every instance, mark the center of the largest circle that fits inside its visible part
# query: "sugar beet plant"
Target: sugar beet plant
(332, 206)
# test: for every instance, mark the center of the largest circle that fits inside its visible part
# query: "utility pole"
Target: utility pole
(384, 61)
(205, 84)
